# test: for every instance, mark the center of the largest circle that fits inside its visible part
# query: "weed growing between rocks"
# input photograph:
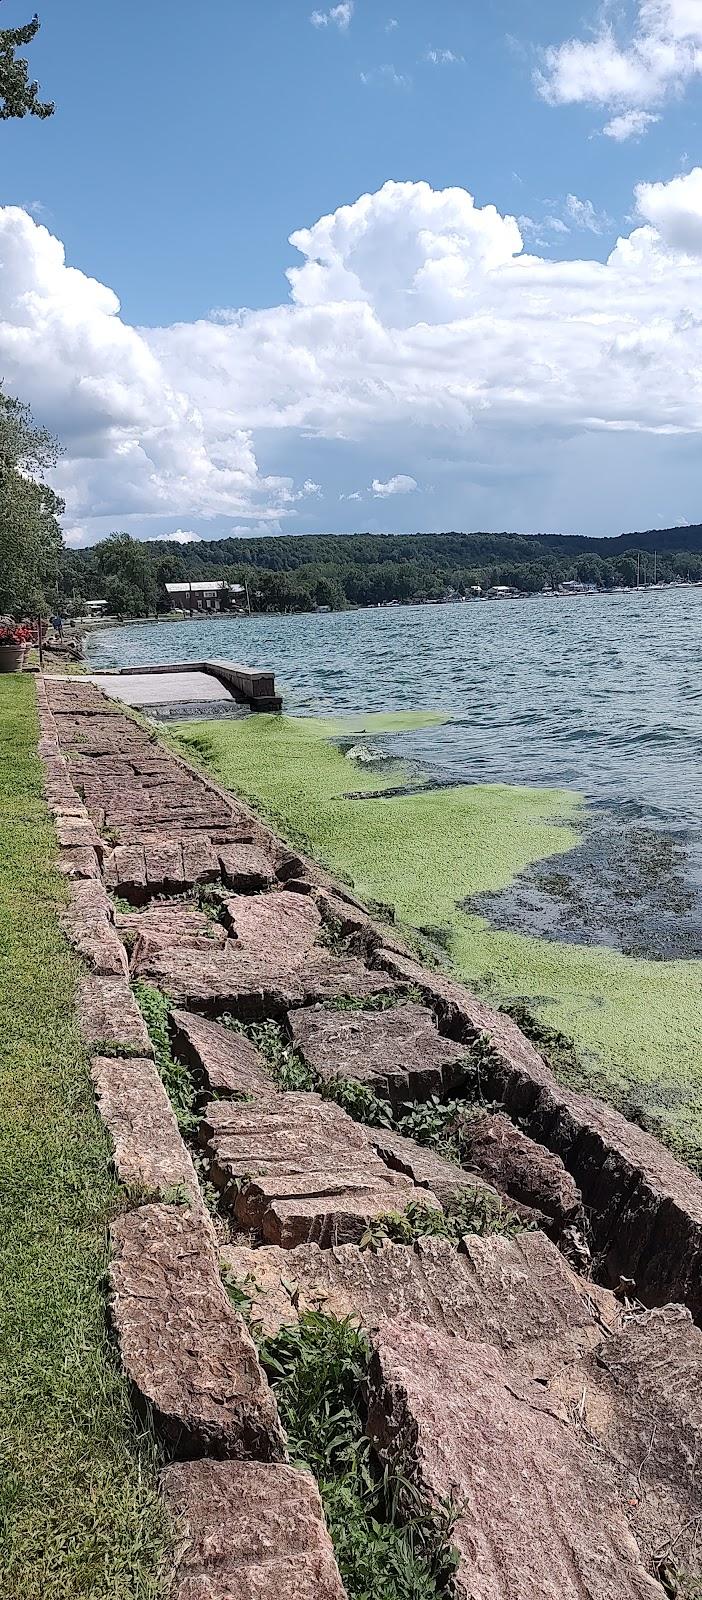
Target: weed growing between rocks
(120, 904)
(177, 1078)
(179, 1085)
(374, 1002)
(433, 1123)
(474, 1213)
(287, 1067)
(208, 899)
(319, 1371)
(437, 1123)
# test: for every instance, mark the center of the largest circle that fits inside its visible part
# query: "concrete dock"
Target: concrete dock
(180, 684)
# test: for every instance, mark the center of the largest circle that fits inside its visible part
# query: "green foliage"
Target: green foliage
(30, 537)
(287, 1067)
(361, 1102)
(434, 1123)
(176, 1077)
(475, 1212)
(120, 904)
(374, 1002)
(319, 1370)
(19, 96)
(298, 573)
(125, 576)
(291, 1073)
(79, 1511)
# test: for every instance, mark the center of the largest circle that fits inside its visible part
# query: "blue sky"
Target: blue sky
(385, 394)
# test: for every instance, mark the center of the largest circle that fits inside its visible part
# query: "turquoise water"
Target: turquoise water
(601, 694)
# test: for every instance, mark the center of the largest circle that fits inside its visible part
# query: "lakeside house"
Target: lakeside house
(208, 596)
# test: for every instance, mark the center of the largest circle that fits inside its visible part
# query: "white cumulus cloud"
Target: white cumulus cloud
(675, 210)
(629, 125)
(416, 324)
(180, 536)
(400, 484)
(444, 58)
(659, 57)
(339, 16)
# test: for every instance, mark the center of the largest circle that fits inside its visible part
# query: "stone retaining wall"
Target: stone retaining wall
(495, 1365)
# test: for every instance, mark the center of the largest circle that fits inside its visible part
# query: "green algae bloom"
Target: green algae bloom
(635, 1022)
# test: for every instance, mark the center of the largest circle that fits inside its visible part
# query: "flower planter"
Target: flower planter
(12, 657)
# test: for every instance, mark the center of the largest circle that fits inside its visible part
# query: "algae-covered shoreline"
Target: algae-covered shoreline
(634, 1021)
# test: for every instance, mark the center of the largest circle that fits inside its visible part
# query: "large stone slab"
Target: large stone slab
(640, 1399)
(109, 1017)
(539, 1512)
(200, 863)
(517, 1294)
(252, 985)
(245, 868)
(399, 1052)
(124, 871)
(164, 866)
(78, 864)
(249, 1531)
(285, 926)
(430, 1171)
(78, 833)
(519, 1167)
(224, 1061)
(185, 1349)
(644, 1207)
(149, 1153)
(87, 922)
(297, 1168)
(165, 923)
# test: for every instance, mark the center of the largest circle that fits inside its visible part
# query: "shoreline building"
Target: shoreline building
(208, 595)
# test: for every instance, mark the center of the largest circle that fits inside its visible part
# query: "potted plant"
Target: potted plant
(14, 639)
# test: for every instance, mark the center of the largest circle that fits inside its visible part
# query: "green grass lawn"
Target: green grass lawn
(79, 1514)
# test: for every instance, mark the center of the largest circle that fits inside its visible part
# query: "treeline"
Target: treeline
(302, 572)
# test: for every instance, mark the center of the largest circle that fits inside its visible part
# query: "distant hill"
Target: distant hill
(659, 539)
(288, 552)
(300, 572)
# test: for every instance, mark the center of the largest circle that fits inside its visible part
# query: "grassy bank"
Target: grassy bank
(636, 1022)
(80, 1517)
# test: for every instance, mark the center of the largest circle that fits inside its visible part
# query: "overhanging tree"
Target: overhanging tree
(30, 537)
(19, 95)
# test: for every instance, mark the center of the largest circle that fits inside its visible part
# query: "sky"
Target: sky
(275, 267)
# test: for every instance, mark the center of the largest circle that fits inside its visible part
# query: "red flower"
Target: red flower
(15, 635)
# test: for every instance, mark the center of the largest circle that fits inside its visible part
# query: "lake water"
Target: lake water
(601, 694)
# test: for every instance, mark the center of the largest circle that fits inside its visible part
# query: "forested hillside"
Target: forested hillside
(297, 573)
